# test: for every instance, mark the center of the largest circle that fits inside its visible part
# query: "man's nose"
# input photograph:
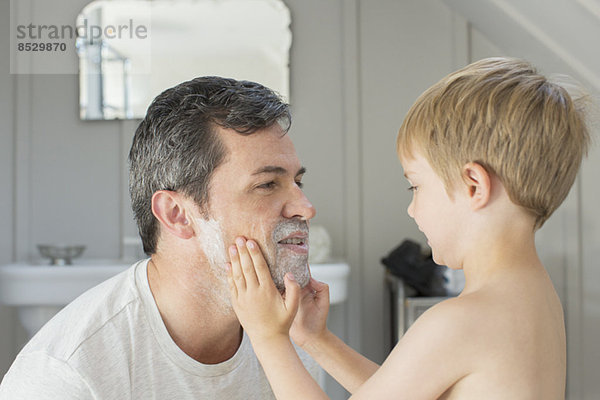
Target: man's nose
(299, 206)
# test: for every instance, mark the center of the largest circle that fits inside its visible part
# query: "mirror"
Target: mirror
(131, 50)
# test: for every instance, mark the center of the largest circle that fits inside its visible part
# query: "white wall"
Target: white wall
(356, 67)
(6, 182)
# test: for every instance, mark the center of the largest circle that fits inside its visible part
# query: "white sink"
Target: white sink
(40, 291)
(336, 276)
(51, 285)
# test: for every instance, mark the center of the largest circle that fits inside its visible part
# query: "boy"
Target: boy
(490, 152)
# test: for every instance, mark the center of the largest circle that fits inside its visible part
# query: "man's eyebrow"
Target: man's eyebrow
(273, 169)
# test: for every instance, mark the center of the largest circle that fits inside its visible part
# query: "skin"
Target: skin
(190, 291)
(257, 193)
(503, 337)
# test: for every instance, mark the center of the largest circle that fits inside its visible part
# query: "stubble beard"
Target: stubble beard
(281, 260)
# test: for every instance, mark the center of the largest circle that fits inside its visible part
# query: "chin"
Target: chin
(303, 278)
(297, 266)
(437, 258)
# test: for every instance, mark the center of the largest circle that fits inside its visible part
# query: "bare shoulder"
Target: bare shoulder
(446, 322)
(430, 358)
(454, 327)
(514, 342)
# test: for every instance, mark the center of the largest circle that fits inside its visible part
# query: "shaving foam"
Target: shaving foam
(211, 241)
(210, 237)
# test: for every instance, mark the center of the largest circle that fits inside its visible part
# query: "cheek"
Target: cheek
(252, 226)
(212, 240)
(251, 216)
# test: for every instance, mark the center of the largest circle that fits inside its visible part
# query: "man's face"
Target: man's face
(256, 193)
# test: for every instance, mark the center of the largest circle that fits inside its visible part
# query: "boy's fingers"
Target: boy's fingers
(292, 293)
(318, 286)
(262, 270)
(247, 263)
(321, 289)
(236, 270)
(232, 288)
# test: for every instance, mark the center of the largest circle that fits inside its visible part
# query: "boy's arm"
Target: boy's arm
(309, 331)
(267, 318)
(285, 372)
(349, 368)
(443, 345)
(430, 358)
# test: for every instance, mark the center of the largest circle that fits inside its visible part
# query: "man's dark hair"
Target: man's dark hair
(177, 147)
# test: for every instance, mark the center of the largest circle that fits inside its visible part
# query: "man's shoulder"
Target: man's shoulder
(86, 316)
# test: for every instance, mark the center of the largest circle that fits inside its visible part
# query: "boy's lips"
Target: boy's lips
(296, 242)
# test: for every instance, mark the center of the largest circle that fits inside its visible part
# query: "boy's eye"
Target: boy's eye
(412, 188)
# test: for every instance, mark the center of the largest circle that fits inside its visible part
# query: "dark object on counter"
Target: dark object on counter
(416, 270)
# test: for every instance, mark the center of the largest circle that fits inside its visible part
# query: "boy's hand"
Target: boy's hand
(311, 320)
(260, 308)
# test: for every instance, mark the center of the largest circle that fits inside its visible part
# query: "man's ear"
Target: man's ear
(170, 209)
(478, 182)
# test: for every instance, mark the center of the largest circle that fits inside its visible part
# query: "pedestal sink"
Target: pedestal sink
(39, 291)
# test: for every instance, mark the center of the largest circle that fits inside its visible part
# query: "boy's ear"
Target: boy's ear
(478, 182)
(170, 209)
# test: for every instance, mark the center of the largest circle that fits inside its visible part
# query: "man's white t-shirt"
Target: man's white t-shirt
(111, 343)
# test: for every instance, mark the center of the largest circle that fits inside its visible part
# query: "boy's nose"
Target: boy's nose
(409, 210)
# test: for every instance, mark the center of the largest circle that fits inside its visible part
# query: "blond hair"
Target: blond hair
(503, 115)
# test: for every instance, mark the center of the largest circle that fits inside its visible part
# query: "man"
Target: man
(210, 161)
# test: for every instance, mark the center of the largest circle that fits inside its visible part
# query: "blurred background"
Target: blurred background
(355, 67)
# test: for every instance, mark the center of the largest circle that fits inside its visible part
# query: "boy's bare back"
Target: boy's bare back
(505, 340)
(513, 339)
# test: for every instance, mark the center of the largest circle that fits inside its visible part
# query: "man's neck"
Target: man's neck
(192, 310)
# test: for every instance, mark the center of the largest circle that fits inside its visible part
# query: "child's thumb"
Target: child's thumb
(292, 293)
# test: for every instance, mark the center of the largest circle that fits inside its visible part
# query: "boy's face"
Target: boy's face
(437, 215)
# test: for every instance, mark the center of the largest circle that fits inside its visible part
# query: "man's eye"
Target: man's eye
(300, 184)
(268, 185)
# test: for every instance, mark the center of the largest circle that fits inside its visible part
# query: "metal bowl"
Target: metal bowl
(60, 255)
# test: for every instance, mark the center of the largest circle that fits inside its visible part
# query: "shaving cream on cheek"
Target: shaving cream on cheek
(211, 241)
(210, 238)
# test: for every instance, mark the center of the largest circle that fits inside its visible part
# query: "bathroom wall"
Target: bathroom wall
(6, 182)
(356, 66)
